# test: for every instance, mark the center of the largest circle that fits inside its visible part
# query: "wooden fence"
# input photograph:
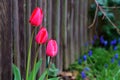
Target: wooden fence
(66, 21)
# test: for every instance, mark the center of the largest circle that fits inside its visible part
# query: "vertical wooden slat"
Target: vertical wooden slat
(39, 4)
(33, 49)
(64, 33)
(49, 17)
(77, 47)
(15, 26)
(5, 27)
(72, 32)
(27, 25)
(44, 6)
(56, 27)
(85, 24)
(22, 38)
(81, 25)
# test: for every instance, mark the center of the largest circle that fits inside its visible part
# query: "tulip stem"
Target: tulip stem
(29, 55)
(36, 55)
(48, 65)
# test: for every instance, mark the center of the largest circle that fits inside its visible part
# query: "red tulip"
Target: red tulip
(52, 48)
(36, 17)
(42, 36)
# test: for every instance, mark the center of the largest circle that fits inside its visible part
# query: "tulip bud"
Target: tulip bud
(52, 48)
(42, 36)
(36, 17)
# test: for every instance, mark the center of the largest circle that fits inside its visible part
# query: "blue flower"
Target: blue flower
(86, 69)
(113, 42)
(84, 57)
(83, 75)
(105, 43)
(102, 39)
(112, 60)
(90, 52)
(79, 61)
(115, 47)
(116, 56)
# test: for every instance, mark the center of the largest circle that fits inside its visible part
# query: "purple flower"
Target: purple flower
(101, 39)
(84, 57)
(86, 69)
(90, 52)
(113, 42)
(115, 47)
(116, 56)
(95, 37)
(83, 75)
(105, 43)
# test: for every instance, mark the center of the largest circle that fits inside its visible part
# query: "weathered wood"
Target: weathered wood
(81, 26)
(66, 21)
(64, 32)
(72, 29)
(15, 25)
(27, 25)
(49, 17)
(22, 38)
(5, 33)
(56, 28)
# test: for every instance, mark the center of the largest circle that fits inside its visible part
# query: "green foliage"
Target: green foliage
(104, 27)
(33, 73)
(16, 72)
(103, 64)
(43, 75)
(53, 71)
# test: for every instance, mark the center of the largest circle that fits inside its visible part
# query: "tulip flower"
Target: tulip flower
(52, 48)
(36, 17)
(42, 36)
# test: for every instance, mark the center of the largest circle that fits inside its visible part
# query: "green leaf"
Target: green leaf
(16, 72)
(43, 75)
(54, 78)
(53, 71)
(36, 68)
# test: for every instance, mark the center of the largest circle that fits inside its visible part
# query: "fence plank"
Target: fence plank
(22, 38)
(66, 21)
(56, 28)
(5, 26)
(72, 32)
(64, 33)
(15, 26)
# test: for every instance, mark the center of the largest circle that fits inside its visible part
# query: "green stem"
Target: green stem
(35, 62)
(29, 55)
(117, 73)
(49, 59)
